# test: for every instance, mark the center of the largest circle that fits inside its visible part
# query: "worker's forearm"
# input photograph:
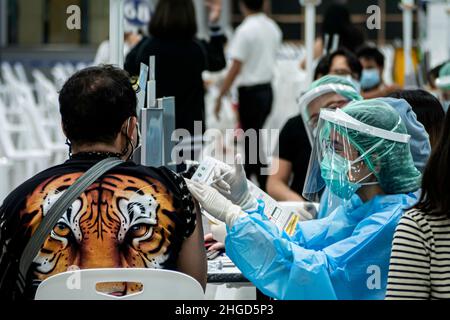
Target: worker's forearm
(280, 191)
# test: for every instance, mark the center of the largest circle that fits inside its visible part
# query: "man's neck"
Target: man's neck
(98, 147)
(251, 13)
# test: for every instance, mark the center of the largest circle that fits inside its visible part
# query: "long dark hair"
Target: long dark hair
(428, 109)
(436, 177)
(174, 19)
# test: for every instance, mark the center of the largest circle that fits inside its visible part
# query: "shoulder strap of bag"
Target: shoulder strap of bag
(56, 211)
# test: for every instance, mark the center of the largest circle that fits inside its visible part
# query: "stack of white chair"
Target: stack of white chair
(47, 114)
(30, 135)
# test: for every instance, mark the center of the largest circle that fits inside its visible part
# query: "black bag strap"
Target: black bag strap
(56, 211)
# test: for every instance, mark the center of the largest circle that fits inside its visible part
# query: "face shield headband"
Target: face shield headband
(337, 159)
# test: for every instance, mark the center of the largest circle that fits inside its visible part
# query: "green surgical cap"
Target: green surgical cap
(351, 93)
(445, 70)
(391, 161)
(443, 82)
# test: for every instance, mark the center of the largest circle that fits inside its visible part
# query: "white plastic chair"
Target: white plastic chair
(19, 145)
(5, 167)
(157, 285)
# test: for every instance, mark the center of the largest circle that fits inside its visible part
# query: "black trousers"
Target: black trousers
(255, 105)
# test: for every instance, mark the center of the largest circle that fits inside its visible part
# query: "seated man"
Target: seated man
(372, 83)
(132, 217)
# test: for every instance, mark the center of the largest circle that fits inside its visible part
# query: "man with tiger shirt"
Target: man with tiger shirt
(132, 217)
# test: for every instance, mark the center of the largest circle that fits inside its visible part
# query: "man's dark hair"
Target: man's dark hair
(254, 5)
(95, 102)
(352, 61)
(174, 19)
(371, 53)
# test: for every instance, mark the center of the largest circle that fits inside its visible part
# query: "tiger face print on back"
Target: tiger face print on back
(118, 222)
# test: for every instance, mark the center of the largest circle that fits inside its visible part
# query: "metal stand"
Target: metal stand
(407, 6)
(310, 34)
(448, 28)
(157, 124)
(116, 44)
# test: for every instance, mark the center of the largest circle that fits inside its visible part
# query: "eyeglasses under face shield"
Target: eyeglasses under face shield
(339, 162)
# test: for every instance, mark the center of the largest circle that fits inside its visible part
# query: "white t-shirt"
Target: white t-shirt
(102, 55)
(255, 44)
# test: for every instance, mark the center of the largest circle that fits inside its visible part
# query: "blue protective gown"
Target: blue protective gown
(329, 202)
(343, 256)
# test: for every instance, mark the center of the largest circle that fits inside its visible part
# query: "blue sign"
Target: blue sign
(137, 12)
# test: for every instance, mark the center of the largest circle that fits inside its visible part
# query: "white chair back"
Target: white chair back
(157, 285)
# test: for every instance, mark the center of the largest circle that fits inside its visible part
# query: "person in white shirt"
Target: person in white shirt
(253, 52)
(131, 38)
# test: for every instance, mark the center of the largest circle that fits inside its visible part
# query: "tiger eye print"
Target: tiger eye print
(118, 222)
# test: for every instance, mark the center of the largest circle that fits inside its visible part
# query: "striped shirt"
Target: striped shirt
(420, 258)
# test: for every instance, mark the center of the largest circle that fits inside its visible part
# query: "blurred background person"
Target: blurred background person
(322, 68)
(132, 37)
(290, 165)
(180, 58)
(337, 22)
(343, 62)
(253, 52)
(372, 83)
(428, 109)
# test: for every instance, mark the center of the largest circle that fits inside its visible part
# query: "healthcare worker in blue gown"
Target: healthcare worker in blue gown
(361, 149)
(419, 145)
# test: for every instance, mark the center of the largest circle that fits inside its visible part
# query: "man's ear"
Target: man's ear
(63, 127)
(131, 126)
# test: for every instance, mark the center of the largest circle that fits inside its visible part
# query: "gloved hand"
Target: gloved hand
(214, 203)
(233, 185)
(219, 232)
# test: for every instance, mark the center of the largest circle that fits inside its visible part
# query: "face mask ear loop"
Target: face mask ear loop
(128, 141)
(139, 137)
(361, 183)
(69, 144)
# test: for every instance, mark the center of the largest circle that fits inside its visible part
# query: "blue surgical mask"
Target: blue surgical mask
(370, 78)
(334, 170)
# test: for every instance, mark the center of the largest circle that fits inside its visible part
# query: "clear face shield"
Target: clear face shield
(323, 97)
(339, 162)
